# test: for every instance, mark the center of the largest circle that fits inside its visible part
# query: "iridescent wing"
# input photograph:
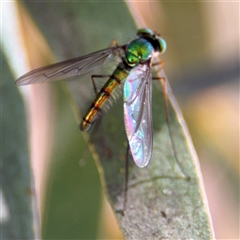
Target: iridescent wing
(138, 113)
(70, 68)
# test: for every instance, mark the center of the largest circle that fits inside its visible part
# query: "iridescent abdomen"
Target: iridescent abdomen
(117, 78)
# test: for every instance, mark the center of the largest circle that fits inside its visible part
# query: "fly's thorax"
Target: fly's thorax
(139, 50)
(142, 49)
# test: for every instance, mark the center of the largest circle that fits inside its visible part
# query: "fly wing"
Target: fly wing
(138, 113)
(69, 68)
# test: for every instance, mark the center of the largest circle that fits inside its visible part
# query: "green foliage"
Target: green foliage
(18, 208)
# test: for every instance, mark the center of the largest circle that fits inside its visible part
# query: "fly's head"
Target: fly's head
(154, 38)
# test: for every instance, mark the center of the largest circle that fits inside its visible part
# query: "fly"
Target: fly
(133, 71)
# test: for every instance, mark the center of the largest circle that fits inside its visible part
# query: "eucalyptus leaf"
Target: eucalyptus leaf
(19, 213)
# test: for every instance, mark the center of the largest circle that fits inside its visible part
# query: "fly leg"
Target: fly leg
(166, 107)
(114, 43)
(96, 93)
(127, 151)
(96, 126)
(94, 84)
(159, 64)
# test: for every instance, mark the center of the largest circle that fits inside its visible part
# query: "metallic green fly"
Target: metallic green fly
(133, 71)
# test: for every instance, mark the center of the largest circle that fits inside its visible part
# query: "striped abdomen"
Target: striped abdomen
(114, 81)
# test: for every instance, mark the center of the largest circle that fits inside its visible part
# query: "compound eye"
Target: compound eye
(145, 31)
(162, 44)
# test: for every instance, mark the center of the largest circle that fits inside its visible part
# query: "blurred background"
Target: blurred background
(202, 65)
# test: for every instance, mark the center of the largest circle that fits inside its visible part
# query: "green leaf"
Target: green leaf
(18, 201)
